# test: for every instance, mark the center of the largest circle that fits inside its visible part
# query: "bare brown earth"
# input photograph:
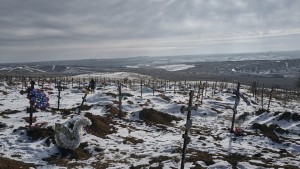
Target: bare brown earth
(6, 163)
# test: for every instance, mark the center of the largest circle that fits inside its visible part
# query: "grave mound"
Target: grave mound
(67, 156)
(100, 125)
(156, 117)
(36, 133)
(9, 163)
(266, 131)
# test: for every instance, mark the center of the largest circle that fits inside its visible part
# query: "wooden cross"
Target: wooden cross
(187, 126)
(58, 97)
(78, 110)
(270, 98)
(237, 102)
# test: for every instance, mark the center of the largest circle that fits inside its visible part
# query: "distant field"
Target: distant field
(271, 69)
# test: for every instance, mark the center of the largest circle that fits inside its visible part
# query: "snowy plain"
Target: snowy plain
(138, 143)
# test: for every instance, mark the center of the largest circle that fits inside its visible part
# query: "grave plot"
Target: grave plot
(148, 123)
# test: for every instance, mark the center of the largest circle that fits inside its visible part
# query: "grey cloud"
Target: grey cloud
(137, 23)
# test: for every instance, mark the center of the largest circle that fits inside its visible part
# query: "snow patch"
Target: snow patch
(177, 67)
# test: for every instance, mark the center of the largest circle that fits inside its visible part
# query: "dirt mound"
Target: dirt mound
(166, 98)
(84, 108)
(278, 129)
(66, 112)
(2, 125)
(111, 94)
(36, 133)
(8, 112)
(260, 111)
(216, 110)
(112, 109)
(100, 125)
(4, 92)
(23, 92)
(133, 140)
(156, 117)
(197, 155)
(285, 116)
(129, 102)
(127, 95)
(295, 117)
(27, 119)
(67, 156)
(243, 116)
(266, 131)
(235, 158)
(13, 164)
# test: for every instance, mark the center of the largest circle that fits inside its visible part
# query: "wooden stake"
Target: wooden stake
(120, 99)
(262, 97)
(187, 128)
(58, 97)
(141, 88)
(270, 98)
(237, 101)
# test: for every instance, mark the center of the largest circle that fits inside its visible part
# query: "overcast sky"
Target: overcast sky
(36, 30)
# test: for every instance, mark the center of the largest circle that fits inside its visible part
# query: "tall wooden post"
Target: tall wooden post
(153, 88)
(256, 91)
(82, 102)
(187, 128)
(270, 98)
(58, 97)
(175, 87)
(31, 108)
(205, 88)
(120, 99)
(262, 97)
(202, 95)
(237, 101)
(199, 87)
(141, 88)
(212, 90)
(165, 86)
(72, 82)
(79, 83)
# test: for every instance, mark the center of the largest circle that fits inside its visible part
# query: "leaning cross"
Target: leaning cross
(78, 109)
(237, 102)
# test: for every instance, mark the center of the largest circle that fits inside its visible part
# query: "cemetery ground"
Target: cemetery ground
(147, 132)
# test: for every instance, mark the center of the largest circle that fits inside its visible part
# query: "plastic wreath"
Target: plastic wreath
(38, 99)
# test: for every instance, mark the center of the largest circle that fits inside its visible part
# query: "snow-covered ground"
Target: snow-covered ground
(141, 140)
(176, 67)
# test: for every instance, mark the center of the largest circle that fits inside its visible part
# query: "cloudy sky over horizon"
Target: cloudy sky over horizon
(36, 30)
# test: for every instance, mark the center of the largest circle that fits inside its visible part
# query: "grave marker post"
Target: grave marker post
(31, 108)
(262, 97)
(174, 87)
(58, 97)
(270, 98)
(141, 88)
(187, 126)
(237, 101)
(120, 99)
